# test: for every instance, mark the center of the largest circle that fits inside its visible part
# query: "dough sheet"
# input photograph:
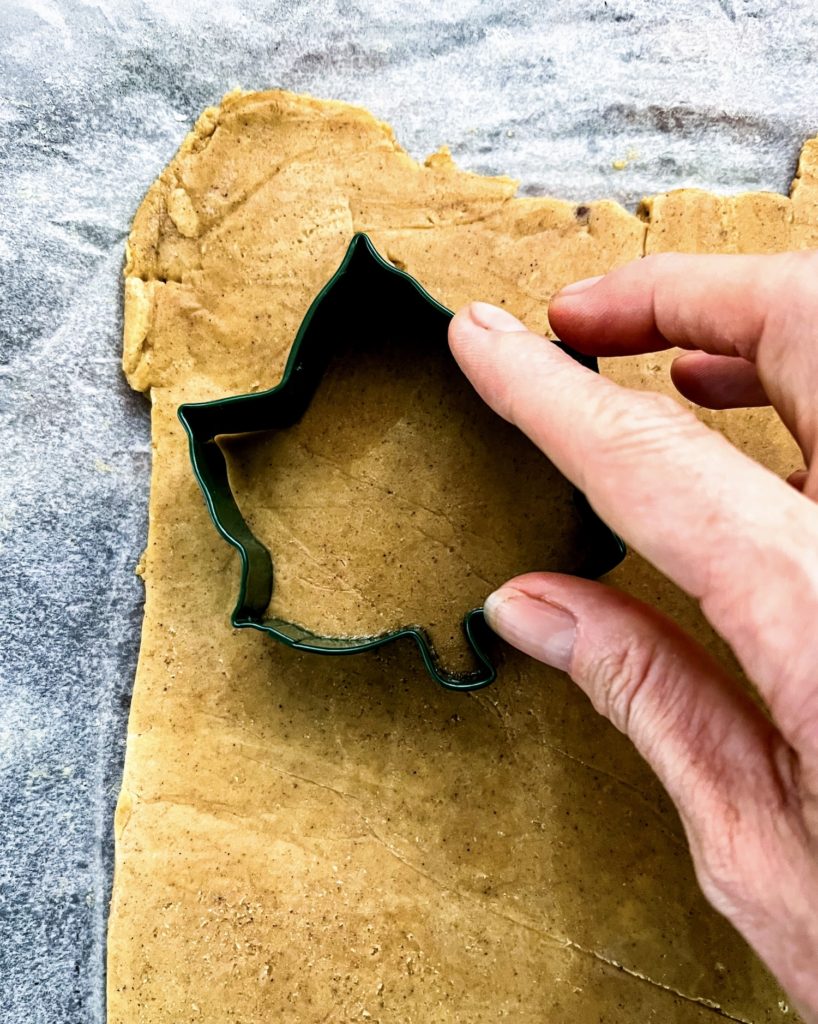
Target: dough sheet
(314, 839)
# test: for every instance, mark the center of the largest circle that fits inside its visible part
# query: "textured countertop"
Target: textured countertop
(581, 99)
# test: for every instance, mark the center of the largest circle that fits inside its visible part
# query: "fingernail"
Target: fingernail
(579, 286)
(493, 318)
(533, 625)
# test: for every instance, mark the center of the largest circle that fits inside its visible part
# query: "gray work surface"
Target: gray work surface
(94, 99)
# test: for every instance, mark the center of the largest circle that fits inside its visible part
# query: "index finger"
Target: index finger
(763, 309)
(725, 529)
(716, 303)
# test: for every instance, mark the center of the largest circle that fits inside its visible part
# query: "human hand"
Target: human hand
(725, 529)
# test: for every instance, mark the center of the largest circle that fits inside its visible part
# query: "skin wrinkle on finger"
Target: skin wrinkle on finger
(649, 467)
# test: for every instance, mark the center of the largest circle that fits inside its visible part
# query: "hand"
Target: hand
(729, 532)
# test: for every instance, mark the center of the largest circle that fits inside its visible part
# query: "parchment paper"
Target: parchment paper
(94, 99)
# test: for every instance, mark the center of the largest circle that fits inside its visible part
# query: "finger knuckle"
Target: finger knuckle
(619, 678)
(650, 424)
(506, 399)
(515, 395)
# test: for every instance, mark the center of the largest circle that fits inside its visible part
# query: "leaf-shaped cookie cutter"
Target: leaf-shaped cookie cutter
(362, 273)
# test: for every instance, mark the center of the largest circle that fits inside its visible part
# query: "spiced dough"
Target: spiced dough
(302, 838)
(396, 500)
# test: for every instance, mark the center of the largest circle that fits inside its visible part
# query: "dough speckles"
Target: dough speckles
(523, 843)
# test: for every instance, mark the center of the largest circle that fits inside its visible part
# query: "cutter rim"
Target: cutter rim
(255, 557)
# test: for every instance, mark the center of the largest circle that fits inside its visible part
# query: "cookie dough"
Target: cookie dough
(303, 838)
(400, 498)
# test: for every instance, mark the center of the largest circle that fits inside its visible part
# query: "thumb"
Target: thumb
(709, 744)
(732, 776)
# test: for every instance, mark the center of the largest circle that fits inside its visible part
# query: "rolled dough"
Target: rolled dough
(382, 505)
(301, 838)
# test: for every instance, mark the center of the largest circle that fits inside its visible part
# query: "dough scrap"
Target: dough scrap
(314, 839)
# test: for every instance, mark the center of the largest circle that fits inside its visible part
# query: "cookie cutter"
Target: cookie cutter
(363, 273)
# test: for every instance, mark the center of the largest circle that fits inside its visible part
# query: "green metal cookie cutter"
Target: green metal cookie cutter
(363, 277)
